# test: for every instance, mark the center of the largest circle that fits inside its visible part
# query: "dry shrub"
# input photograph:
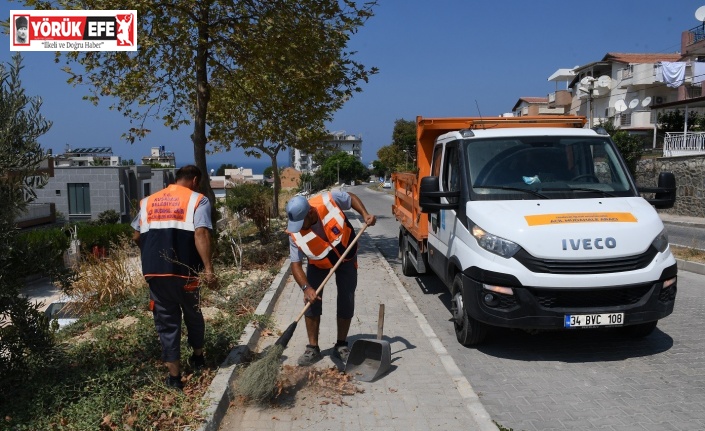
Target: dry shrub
(105, 282)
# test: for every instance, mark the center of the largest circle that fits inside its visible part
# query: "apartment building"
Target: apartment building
(337, 141)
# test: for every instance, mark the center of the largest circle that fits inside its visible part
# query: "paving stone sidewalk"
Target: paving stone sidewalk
(424, 390)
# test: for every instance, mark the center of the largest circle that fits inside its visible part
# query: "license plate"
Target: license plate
(592, 320)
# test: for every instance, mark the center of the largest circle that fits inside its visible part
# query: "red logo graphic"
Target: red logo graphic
(125, 34)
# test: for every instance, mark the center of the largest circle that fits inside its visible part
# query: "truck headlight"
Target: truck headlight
(493, 243)
(661, 241)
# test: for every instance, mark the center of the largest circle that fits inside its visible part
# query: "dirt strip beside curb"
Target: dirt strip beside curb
(219, 394)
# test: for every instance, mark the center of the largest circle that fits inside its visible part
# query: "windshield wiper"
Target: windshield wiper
(587, 189)
(533, 192)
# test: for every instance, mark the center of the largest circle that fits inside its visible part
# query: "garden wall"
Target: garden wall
(690, 181)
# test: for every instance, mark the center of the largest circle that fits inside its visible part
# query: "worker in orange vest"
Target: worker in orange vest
(319, 230)
(173, 231)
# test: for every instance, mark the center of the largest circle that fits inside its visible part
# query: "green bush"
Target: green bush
(108, 217)
(44, 248)
(101, 235)
(254, 201)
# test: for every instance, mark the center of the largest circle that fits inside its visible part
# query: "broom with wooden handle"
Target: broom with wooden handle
(257, 382)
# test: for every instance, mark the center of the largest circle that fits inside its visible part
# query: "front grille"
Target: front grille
(595, 266)
(606, 297)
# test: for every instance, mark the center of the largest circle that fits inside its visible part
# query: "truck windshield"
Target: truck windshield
(557, 167)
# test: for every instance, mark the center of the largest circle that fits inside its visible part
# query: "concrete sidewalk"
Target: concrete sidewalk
(423, 390)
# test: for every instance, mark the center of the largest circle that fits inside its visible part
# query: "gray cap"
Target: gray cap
(296, 210)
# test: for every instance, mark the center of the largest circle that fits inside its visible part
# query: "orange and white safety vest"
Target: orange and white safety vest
(167, 233)
(325, 253)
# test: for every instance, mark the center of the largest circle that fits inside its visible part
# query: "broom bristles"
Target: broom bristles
(258, 381)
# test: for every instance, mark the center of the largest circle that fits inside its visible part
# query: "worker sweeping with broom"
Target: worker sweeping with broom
(319, 230)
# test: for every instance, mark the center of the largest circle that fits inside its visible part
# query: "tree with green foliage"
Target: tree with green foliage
(379, 169)
(288, 88)
(400, 155)
(631, 147)
(260, 74)
(221, 169)
(252, 201)
(268, 172)
(24, 333)
(342, 167)
(674, 120)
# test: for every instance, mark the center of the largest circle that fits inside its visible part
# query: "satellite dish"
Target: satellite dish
(646, 101)
(634, 103)
(587, 80)
(700, 14)
(604, 81)
(620, 106)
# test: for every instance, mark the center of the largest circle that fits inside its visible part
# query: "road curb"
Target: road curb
(472, 401)
(699, 225)
(219, 394)
(686, 265)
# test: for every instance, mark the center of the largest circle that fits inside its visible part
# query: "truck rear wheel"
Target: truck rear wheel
(407, 267)
(468, 331)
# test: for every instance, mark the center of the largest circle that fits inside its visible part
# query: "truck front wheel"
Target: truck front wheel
(468, 331)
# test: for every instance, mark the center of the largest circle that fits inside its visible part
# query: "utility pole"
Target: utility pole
(338, 163)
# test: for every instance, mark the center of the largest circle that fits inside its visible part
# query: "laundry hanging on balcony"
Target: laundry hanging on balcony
(698, 72)
(673, 73)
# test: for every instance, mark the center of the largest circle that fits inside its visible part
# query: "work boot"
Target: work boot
(311, 355)
(341, 351)
(197, 362)
(174, 382)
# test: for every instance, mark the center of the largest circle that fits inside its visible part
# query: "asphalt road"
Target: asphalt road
(587, 380)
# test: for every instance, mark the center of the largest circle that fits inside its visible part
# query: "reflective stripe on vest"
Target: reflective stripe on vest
(323, 252)
(161, 214)
(167, 233)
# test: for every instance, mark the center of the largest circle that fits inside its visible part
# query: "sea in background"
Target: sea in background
(257, 165)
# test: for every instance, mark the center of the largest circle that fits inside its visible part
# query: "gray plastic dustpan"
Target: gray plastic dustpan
(370, 359)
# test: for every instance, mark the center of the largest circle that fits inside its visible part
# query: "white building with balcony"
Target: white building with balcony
(622, 87)
(337, 141)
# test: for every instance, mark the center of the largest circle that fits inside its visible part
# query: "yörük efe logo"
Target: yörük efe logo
(71, 30)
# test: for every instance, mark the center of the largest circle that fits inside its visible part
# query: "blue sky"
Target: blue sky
(436, 58)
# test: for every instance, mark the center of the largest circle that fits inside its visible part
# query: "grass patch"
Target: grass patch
(104, 372)
(689, 253)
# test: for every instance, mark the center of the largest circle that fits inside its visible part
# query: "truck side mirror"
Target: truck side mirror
(665, 193)
(430, 196)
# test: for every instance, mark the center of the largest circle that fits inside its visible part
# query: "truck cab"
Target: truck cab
(542, 228)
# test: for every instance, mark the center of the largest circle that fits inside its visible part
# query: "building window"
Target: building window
(79, 198)
(625, 120)
(147, 189)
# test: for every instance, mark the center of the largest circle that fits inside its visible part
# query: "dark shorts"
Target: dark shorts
(170, 301)
(346, 281)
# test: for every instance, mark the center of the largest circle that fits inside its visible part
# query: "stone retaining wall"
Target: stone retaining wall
(690, 181)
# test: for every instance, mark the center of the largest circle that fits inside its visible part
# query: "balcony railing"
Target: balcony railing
(698, 34)
(680, 144)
